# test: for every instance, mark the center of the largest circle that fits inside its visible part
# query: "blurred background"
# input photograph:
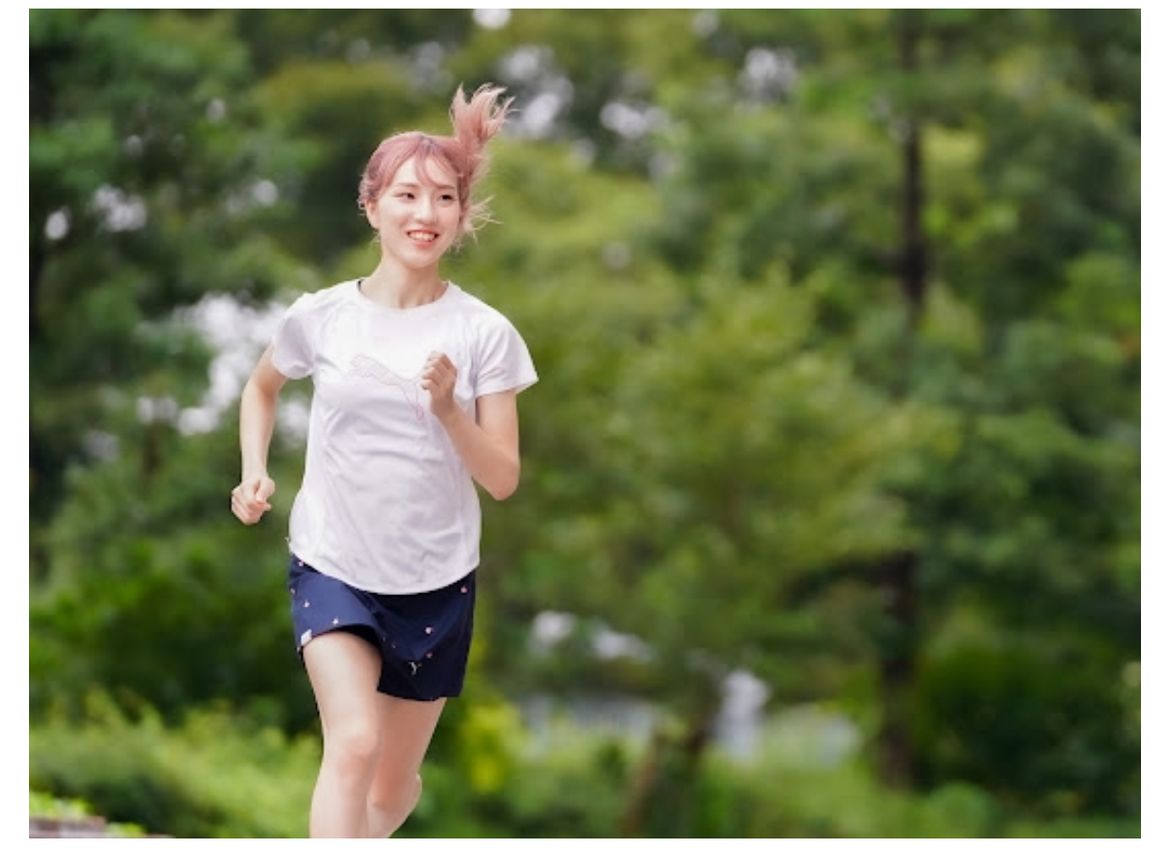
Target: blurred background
(829, 523)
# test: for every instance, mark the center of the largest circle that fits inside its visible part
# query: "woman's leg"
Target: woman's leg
(405, 730)
(343, 670)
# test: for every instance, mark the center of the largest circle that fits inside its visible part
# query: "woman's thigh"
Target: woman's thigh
(405, 730)
(343, 670)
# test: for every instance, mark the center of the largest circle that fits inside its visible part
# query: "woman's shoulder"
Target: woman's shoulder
(477, 310)
(323, 299)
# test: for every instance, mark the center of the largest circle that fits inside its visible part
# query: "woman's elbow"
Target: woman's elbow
(506, 486)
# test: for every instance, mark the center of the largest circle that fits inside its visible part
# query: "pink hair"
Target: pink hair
(474, 121)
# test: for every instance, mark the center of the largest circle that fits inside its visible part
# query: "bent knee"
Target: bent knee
(388, 811)
(352, 748)
(399, 799)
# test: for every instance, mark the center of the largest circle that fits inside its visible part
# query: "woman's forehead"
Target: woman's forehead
(428, 170)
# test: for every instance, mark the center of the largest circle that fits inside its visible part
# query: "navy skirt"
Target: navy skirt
(423, 639)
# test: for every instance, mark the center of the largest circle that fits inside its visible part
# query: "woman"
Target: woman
(414, 397)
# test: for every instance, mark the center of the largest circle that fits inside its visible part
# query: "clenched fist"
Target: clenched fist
(438, 378)
(250, 498)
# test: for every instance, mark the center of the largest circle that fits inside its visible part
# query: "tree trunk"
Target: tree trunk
(36, 264)
(642, 787)
(668, 772)
(895, 752)
(898, 573)
(912, 264)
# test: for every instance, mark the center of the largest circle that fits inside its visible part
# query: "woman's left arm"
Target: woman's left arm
(489, 445)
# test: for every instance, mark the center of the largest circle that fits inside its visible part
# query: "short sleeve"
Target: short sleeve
(292, 347)
(504, 361)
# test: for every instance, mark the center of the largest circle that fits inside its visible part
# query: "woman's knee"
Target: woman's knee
(414, 792)
(397, 801)
(352, 747)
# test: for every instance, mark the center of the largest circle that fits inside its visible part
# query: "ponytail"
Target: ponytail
(475, 121)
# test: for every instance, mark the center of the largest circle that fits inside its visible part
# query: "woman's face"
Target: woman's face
(418, 218)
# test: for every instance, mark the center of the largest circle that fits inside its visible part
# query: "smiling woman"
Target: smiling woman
(461, 156)
(414, 401)
(418, 216)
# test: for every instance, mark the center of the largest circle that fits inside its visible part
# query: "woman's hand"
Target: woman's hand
(438, 378)
(250, 498)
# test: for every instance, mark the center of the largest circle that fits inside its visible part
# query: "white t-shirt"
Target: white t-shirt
(386, 504)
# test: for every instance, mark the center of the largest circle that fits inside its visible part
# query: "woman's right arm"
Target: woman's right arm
(257, 419)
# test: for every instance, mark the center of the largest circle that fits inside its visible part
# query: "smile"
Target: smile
(422, 236)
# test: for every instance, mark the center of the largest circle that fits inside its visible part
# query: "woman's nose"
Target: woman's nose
(425, 210)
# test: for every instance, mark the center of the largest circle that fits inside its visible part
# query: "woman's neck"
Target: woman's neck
(403, 288)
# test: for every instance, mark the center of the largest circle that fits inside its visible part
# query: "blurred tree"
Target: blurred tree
(838, 324)
(859, 231)
(143, 163)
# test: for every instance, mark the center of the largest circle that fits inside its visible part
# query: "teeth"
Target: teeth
(422, 236)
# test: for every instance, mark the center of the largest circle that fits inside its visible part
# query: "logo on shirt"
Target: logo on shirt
(366, 366)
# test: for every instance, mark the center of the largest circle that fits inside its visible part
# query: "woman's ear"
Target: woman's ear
(366, 207)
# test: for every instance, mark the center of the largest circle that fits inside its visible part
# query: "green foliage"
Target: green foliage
(43, 805)
(219, 776)
(175, 604)
(1042, 723)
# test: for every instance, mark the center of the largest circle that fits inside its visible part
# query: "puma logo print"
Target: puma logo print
(366, 366)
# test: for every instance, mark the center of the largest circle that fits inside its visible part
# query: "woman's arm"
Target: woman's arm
(257, 419)
(489, 445)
